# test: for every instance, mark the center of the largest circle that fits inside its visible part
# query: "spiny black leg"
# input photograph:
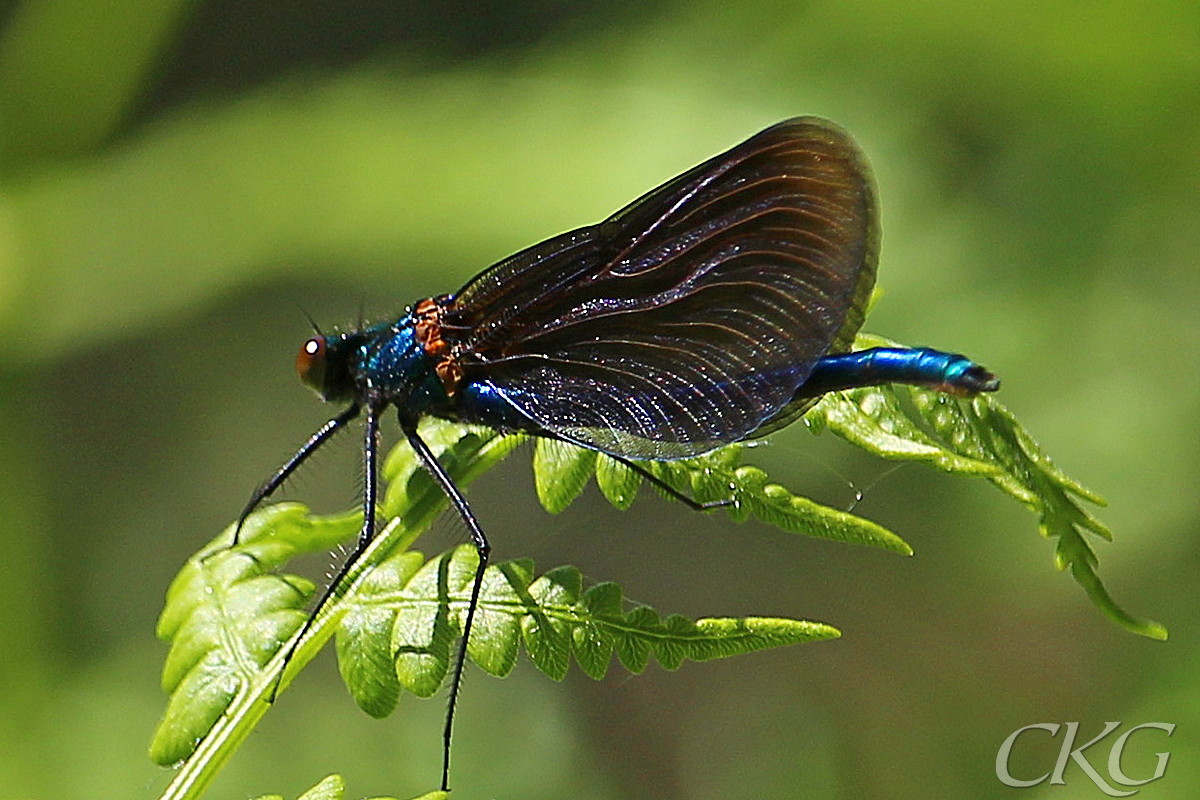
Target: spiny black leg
(365, 534)
(323, 434)
(691, 503)
(430, 462)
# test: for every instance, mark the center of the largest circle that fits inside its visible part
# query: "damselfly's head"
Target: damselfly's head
(324, 365)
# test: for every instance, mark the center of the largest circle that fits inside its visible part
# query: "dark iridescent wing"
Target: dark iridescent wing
(689, 318)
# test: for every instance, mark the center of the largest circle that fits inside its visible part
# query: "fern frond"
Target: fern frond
(399, 630)
(979, 436)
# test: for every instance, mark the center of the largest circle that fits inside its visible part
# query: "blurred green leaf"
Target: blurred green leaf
(71, 70)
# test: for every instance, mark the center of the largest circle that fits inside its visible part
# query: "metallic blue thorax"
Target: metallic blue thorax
(391, 362)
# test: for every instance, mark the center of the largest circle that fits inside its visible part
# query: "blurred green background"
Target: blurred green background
(181, 181)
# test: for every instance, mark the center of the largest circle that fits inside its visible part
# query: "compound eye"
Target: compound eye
(310, 363)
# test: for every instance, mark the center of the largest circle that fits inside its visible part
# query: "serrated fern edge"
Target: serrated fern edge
(413, 626)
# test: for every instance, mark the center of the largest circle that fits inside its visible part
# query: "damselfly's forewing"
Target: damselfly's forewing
(688, 319)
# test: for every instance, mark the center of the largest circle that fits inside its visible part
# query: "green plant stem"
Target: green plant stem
(253, 700)
(255, 696)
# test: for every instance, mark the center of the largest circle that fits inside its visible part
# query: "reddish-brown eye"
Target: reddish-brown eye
(310, 363)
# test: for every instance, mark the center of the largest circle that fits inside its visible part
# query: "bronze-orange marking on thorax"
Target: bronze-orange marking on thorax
(428, 332)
